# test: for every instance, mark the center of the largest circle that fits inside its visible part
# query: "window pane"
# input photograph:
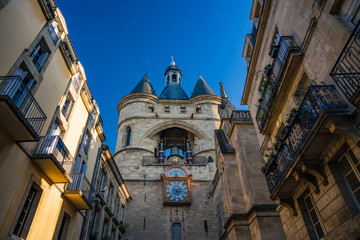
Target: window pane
(353, 181)
(308, 203)
(353, 158)
(345, 166)
(319, 230)
(357, 195)
(313, 216)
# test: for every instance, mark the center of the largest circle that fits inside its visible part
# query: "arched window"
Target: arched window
(128, 136)
(210, 159)
(176, 231)
(173, 78)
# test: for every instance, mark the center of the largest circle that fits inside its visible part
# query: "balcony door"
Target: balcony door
(15, 89)
(50, 142)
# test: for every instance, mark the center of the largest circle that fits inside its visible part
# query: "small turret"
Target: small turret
(202, 88)
(173, 89)
(144, 86)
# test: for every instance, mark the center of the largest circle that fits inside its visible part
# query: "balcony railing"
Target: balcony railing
(54, 147)
(79, 191)
(317, 100)
(16, 91)
(197, 160)
(240, 115)
(286, 45)
(346, 72)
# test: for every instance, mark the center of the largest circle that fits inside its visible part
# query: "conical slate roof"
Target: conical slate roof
(173, 91)
(144, 86)
(202, 88)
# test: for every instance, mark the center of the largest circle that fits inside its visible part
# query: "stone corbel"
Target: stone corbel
(344, 127)
(301, 176)
(288, 203)
(316, 169)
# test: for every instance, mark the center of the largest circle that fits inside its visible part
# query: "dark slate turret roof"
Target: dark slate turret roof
(173, 91)
(202, 88)
(144, 86)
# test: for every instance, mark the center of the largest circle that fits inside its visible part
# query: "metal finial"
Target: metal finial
(172, 61)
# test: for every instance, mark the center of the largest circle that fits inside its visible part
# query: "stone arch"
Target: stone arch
(170, 124)
(345, 129)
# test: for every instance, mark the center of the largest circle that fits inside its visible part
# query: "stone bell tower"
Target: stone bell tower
(165, 151)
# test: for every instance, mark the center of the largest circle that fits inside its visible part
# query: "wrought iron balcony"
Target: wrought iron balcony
(317, 100)
(52, 156)
(346, 72)
(79, 191)
(270, 87)
(197, 160)
(20, 113)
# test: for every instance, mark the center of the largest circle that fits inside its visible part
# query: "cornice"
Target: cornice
(255, 52)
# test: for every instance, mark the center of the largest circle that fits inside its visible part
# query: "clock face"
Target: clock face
(176, 191)
(176, 172)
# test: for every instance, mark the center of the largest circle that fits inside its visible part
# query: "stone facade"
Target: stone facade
(150, 118)
(302, 92)
(242, 201)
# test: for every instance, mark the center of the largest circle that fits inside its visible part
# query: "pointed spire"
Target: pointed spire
(202, 88)
(144, 86)
(222, 91)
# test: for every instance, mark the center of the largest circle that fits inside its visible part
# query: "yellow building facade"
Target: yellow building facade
(50, 128)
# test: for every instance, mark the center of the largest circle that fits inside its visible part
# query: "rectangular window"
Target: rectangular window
(76, 82)
(86, 142)
(198, 110)
(182, 109)
(302, 88)
(116, 207)
(311, 216)
(39, 55)
(109, 199)
(54, 31)
(94, 224)
(64, 227)
(105, 229)
(350, 11)
(350, 168)
(68, 104)
(122, 210)
(166, 109)
(92, 119)
(101, 183)
(112, 237)
(151, 109)
(128, 136)
(27, 213)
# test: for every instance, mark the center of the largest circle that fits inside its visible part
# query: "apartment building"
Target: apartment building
(302, 89)
(51, 131)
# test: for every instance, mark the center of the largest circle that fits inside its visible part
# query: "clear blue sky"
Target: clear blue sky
(114, 40)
